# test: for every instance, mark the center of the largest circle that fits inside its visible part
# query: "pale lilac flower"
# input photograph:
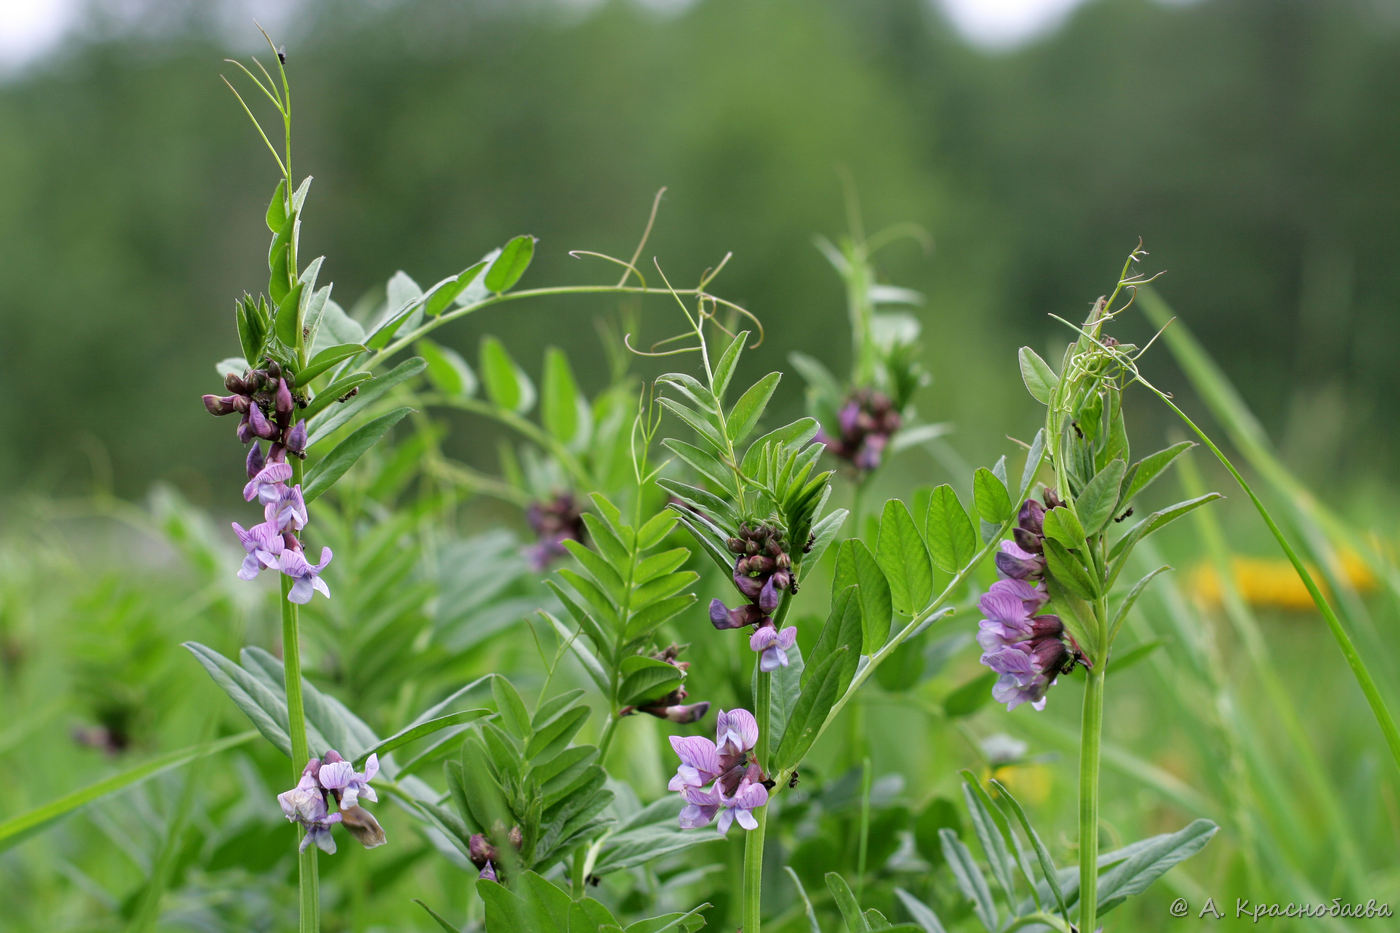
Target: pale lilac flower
(264, 545)
(487, 873)
(772, 646)
(339, 776)
(266, 485)
(739, 808)
(700, 807)
(736, 731)
(699, 762)
(306, 804)
(288, 510)
(294, 564)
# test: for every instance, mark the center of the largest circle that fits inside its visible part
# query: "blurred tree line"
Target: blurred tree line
(1248, 141)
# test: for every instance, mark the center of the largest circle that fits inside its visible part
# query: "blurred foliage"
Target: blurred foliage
(1241, 139)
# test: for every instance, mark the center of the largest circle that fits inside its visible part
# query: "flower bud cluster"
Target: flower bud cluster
(264, 399)
(328, 793)
(485, 856)
(762, 571)
(558, 520)
(866, 422)
(1028, 650)
(737, 784)
(672, 707)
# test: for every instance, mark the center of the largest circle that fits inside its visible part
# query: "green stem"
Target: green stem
(753, 870)
(1339, 633)
(308, 882)
(1090, 743)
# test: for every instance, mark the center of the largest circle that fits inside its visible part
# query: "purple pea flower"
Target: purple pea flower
(722, 617)
(339, 776)
(736, 731)
(1019, 564)
(266, 485)
(772, 646)
(739, 808)
(700, 807)
(294, 564)
(264, 545)
(288, 510)
(306, 804)
(699, 762)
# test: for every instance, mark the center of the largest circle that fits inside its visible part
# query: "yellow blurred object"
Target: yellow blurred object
(1029, 782)
(1272, 582)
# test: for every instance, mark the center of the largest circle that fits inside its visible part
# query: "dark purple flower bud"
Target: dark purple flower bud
(480, 850)
(1028, 540)
(259, 424)
(749, 586)
(274, 369)
(783, 562)
(735, 545)
(282, 401)
(296, 439)
(1031, 517)
(255, 460)
(722, 617)
(1017, 564)
(769, 596)
(1047, 627)
(221, 404)
(761, 564)
(1052, 500)
(488, 873)
(679, 713)
(781, 579)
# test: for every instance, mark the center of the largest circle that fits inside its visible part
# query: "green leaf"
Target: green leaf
(646, 836)
(1151, 861)
(798, 433)
(437, 917)
(1147, 469)
(856, 565)
(923, 915)
(846, 903)
(443, 296)
(324, 474)
(1153, 522)
(989, 495)
(786, 688)
(904, 559)
(1062, 526)
(820, 692)
(286, 321)
(645, 678)
(1067, 570)
(506, 383)
(514, 717)
(277, 208)
(743, 417)
(1047, 864)
(1095, 503)
(1034, 456)
(326, 359)
(336, 416)
(728, 362)
(17, 828)
(1122, 613)
(447, 371)
(508, 267)
(1040, 379)
(266, 710)
(952, 541)
(554, 736)
(251, 330)
(419, 730)
(564, 410)
(969, 878)
(990, 838)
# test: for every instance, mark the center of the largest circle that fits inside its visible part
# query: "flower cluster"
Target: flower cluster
(554, 522)
(485, 856)
(737, 783)
(762, 571)
(671, 707)
(264, 399)
(866, 423)
(333, 780)
(1028, 650)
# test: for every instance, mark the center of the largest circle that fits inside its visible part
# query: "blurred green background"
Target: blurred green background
(1248, 142)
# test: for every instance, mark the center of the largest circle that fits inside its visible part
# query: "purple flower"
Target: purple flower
(739, 808)
(266, 484)
(296, 439)
(306, 804)
(339, 776)
(699, 762)
(487, 873)
(700, 807)
(722, 617)
(1019, 564)
(264, 545)
(772, 646)
(288, 510)
(293, 563)
(736, 732)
